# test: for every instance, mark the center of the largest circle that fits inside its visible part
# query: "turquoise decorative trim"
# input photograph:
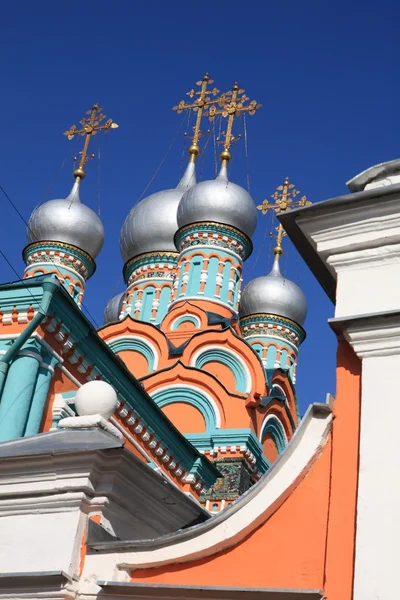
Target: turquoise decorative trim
(273, 427)
(243, 245)
(257, 325)
(151, 258)
(135, 345)
(185, 319)
(191, 396)
(227, 359)
(69, 250)
(92, 350)
(232, 437)
(265, 400)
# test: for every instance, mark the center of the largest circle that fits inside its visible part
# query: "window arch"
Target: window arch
(136, 344)
(273, 427)
(189, 394)
(228, 358)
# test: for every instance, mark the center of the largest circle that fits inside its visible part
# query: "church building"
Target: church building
(163, 455)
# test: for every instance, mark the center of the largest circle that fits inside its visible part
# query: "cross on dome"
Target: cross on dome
(231, 106)
(284, 199)
(90, 126)
(203, 101)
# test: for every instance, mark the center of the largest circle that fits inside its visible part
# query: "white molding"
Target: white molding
(381, 338)
(197, 319)
(196, 389)
(139, 338)
(221, 348)
(228, 528)
(273, 418)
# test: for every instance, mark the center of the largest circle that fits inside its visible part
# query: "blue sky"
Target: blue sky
(326, 74)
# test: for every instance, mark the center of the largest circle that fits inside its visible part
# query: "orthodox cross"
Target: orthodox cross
(284, 199)
(90, 126)
(232, 105)
(202, 101)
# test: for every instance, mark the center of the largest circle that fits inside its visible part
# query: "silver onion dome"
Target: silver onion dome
(151, 224)
(68, 221)
(113, 309)
(221, 201)
(273, 294)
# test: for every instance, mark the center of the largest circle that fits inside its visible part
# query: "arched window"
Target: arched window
(191, 395)
(273, 427)
(229, 359)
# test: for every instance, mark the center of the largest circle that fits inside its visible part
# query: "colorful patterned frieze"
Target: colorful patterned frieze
(150, 278)
(275, 339)
(71, 265)
(210, 265)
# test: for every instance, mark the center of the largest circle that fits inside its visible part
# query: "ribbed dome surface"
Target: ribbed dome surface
(220, 201)
(272, 294)
(67, 221)
(151, 224)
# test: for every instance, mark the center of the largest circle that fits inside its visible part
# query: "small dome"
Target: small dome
(151, 224)
(273, 294)
(67, 221)
(220, 201)
(113, 309)
(96, 398)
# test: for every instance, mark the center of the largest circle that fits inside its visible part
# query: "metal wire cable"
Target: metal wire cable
(267, 230)
(163, 159)
(246, 152)
(98, 174)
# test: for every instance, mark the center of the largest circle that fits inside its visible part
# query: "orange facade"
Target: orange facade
(308, 542)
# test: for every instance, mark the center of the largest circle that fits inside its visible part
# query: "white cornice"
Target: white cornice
(372, 335)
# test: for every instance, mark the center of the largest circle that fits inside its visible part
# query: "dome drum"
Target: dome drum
(214, 234)
(58, 253)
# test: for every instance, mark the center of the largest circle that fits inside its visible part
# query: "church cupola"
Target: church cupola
(64, 235)
(272, 308)
(216, 220)
(147, 237)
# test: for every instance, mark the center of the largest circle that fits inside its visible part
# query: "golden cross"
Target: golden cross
(284, 199)
(231, 106)
(201, 102)
(90, 126)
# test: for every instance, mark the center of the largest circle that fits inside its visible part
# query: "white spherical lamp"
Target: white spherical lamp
(96, 398)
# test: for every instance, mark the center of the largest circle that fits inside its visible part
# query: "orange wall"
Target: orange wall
(286, 551)
(345, 444)
(186, 418)
(308, 543)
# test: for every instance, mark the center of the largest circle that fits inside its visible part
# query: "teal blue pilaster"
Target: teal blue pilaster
(42, 387)
(17, 396)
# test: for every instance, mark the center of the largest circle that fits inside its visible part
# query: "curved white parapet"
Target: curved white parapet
(114, 560)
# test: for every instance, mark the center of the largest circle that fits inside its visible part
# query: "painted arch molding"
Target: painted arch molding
(230, 359)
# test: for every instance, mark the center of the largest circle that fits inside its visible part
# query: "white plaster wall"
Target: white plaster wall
(40, 542)
(378, 522)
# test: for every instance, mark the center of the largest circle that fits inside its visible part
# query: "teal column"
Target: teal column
(38, 404)
(17, 395)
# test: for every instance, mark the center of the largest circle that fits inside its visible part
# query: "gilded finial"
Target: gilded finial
(284, 199)
(232, 104)
(90, 126)
(203, 100)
